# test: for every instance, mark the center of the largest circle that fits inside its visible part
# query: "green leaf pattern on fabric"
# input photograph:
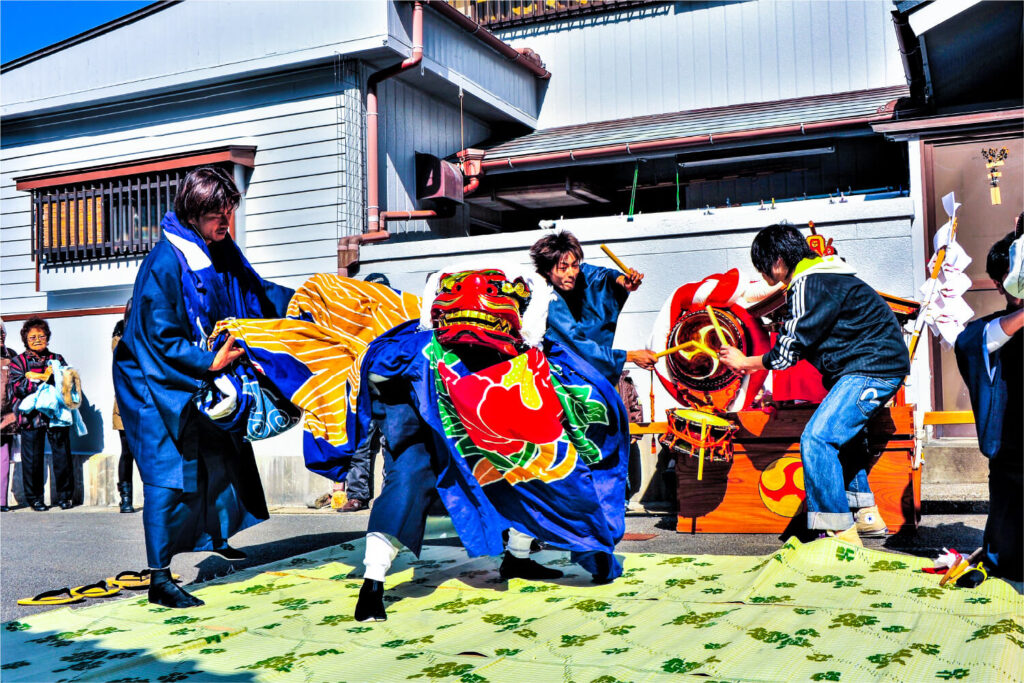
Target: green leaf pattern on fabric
(789, 616)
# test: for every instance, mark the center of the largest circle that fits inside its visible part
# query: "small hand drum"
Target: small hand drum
(695, 434)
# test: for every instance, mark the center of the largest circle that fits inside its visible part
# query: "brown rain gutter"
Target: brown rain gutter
(348, 247)
(488, 38)
(372, 151)
(666, 144)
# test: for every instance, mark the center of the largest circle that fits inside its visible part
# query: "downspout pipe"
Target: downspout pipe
(372, 142)
(913, 61)
(668, 144)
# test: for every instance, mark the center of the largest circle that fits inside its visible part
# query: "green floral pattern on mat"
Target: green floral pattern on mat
(824, 611)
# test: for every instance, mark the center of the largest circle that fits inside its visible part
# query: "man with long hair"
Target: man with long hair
(200, 482)
(584, 311)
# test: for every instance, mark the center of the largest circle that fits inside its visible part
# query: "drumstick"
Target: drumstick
(703, 439)
(718, 328)
(670, 350)
(615, 259)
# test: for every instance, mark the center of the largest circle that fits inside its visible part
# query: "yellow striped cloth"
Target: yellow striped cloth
(346, 315)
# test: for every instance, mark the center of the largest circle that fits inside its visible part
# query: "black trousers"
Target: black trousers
(126, 461)
(33, 462)
(360, 474)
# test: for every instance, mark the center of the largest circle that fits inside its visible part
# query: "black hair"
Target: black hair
(379, 278)
(204, 190)
(779, 241)
(34, 324)
(997, 265)
(549, 250)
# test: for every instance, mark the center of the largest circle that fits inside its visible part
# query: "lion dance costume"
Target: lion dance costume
(513, 432)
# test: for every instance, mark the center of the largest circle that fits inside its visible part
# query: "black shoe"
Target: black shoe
(229, 553)
(163, 591)
(39, 506)
(125, 489)
(604, 569)
(66, 505)
(513, 567)
(4, 508)
(370, 606)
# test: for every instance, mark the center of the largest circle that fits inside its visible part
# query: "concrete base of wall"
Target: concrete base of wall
(287, 482)
(954, 461)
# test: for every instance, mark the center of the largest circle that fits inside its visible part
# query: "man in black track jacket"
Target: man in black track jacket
(845, 330)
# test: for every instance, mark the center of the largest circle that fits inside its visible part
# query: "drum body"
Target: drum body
(692, 431)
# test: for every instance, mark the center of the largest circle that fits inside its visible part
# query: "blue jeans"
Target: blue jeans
(834, 453)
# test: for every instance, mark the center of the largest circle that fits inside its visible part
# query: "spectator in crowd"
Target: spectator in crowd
(849, 334)
(200, 483)
(989, 354)
(631, 398)
(126, 463)
(28, 371)
(8, 420)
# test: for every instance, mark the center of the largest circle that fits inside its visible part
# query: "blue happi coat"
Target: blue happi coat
(590, 335)
(183, 288)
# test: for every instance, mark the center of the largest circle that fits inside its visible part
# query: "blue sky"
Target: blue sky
(28, 25)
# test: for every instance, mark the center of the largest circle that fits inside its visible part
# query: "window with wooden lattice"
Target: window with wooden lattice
(114, 211)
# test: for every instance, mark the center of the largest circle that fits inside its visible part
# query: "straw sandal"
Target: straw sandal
(61, 596)
(133, 580)
(973, 577)
(100, 589)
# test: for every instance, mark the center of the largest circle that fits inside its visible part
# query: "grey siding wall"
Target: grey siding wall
(195, 42)
(305, 191)
(414, 121)
(691, 55)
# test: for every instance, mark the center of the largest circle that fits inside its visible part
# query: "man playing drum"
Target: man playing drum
(585, 308)
(845, 330)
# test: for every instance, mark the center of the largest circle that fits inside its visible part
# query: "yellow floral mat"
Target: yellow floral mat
(823, 611)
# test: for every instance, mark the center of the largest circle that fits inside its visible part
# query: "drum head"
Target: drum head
(697, 366)
(701, 418)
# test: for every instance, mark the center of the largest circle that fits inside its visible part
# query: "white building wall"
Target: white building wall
(692, 55)
(675, 248)
(194, 42)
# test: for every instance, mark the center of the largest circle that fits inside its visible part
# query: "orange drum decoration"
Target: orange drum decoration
(782, 486)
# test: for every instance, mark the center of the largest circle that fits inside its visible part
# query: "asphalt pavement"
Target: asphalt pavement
(42, 551)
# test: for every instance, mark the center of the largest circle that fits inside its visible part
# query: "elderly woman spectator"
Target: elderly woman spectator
(200, 484)
(28, 371)
(8, 420)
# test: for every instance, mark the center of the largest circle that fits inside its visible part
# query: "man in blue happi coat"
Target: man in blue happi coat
(200, 482)
(989, 353)
(585, 306)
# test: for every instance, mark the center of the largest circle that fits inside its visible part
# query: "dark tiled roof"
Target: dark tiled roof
(712, 121)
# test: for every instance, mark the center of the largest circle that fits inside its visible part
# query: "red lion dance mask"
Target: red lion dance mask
(480, 308)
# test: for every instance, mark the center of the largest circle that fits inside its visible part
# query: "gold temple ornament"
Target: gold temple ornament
(994, 159)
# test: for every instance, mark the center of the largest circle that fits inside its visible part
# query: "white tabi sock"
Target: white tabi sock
(380, 552)
(519, 544)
